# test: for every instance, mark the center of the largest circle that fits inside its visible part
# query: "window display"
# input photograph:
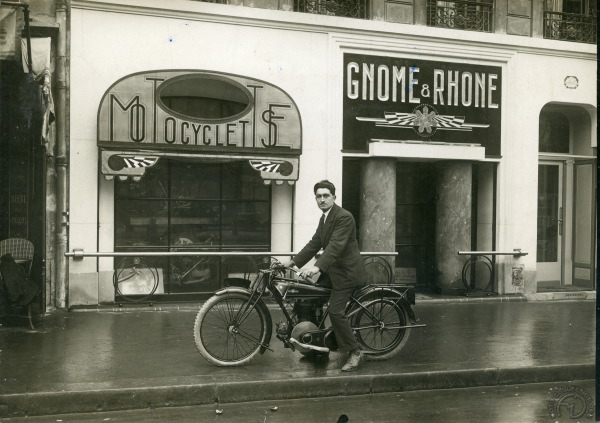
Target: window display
(191, 206)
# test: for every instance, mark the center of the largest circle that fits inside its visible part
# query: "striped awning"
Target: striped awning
(133, 164)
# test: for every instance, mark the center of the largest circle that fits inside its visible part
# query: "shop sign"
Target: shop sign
(199, 111)
(420, 100)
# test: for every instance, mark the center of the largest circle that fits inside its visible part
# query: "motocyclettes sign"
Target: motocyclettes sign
(418, 100)
(200, 111)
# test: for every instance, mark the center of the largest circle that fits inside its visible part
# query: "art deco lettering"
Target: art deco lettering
(200, 111)
(417, 100)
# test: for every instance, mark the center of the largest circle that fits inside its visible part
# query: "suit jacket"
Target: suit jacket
(341, 258)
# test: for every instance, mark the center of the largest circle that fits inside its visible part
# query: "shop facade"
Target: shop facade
(203, 127)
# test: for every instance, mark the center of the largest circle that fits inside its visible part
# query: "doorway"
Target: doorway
(566, 219)
(550, 223)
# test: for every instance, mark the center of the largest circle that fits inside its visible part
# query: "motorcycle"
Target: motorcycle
(234, 325)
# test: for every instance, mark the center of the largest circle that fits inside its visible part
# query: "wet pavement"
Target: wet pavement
(146, 357)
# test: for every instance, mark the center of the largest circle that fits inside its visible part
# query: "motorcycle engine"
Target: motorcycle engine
(308, 310)
(301, 333)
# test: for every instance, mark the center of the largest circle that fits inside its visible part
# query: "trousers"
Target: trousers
(339, 321)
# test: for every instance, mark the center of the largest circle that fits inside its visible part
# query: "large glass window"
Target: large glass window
(190, 206)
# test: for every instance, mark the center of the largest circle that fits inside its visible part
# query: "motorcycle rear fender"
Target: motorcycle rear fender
(405, 294)
(261, 304)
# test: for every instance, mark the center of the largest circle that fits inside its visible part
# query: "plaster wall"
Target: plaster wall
(534, 80)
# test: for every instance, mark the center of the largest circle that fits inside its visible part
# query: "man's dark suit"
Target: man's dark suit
(341, 260)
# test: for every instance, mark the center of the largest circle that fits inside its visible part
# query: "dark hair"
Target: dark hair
(325, 184)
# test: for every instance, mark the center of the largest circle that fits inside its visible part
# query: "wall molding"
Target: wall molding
(344, 28)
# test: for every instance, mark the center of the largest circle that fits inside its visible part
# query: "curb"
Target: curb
(65, 402)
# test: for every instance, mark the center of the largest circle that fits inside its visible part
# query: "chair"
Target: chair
(21, 251)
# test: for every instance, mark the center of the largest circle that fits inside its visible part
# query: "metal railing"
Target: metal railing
(480, 259)
(80, 254)
(137, 276)
(465, 15)
(349, 8)
(571, 27)
(359, 9)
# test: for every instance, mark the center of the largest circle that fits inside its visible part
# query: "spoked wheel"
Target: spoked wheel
(378, 329)
(226, 334)
(135, 279)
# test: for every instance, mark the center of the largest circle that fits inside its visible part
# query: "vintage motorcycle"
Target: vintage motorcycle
(234, 325)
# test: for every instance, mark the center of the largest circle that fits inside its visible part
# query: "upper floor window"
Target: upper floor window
(571, 20)
(474, 15)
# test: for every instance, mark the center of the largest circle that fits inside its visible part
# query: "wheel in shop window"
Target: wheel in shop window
(135, 280)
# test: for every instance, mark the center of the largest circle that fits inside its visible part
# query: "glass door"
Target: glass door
(550, 223)
(584, 241)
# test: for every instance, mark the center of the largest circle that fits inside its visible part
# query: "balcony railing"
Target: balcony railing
(571, 27)
(349, 8)
(359, 9)
(465, 15)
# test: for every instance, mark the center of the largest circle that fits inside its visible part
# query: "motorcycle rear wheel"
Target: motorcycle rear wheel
(376, 330)
(221, 339)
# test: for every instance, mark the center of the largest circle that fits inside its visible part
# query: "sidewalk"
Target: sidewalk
(145, 357)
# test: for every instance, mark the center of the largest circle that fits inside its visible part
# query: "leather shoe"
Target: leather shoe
(353, 361)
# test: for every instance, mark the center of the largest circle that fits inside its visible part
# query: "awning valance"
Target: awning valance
(132, 164)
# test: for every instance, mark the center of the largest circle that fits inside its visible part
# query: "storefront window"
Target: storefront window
(185, 206)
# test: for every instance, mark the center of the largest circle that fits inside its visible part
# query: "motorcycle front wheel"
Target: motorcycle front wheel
(225, 335)
(379, 329)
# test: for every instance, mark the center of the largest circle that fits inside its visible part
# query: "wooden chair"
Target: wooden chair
(22, 252)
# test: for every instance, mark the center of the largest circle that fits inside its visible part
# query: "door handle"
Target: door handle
(560, 221)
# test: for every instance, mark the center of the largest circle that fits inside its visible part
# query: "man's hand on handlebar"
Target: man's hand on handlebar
(309, 272)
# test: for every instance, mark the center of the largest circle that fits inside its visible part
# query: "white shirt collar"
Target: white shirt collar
(326, 214)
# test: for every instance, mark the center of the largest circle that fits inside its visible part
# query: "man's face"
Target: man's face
(324, 199)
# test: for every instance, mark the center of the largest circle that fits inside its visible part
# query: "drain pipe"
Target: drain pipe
(61, 276)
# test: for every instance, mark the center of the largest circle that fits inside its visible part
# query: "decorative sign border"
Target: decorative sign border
(132, 115)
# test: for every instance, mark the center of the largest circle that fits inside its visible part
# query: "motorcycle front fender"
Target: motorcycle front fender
(259, 304)
(233, 289)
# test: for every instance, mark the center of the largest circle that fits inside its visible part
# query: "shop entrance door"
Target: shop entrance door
(584, 216)
(550, 224)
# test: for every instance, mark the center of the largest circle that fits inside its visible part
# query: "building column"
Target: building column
(378, 212)
(453, 222)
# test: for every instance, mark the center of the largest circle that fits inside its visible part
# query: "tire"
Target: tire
(135, 280)
(213, 330)
(381, 343)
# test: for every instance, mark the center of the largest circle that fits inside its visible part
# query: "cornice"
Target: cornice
(353, 33)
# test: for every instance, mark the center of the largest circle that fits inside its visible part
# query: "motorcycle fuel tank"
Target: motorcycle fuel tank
(301, 290)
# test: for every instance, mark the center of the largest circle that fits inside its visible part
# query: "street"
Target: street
(499, 404)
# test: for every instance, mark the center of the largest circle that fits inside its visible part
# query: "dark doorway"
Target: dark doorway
(415, 224)
(22, 163)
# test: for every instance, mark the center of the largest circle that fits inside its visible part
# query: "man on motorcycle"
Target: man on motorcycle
(341, 260)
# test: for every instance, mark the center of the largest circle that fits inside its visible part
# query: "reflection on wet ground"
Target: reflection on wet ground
(153, 348)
